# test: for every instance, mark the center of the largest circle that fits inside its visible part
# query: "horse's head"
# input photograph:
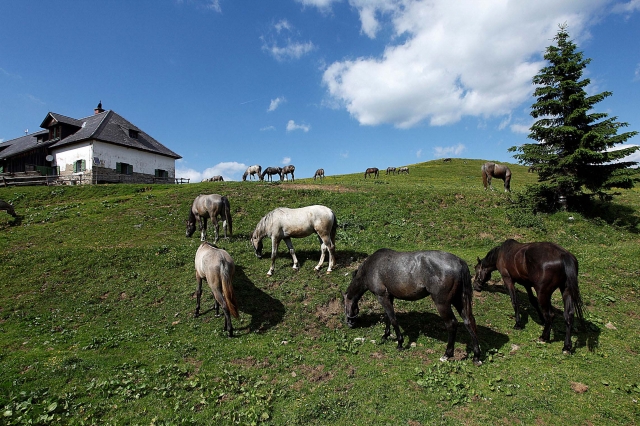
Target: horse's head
(351, 309)
(191, 228)
(256, 242)
(483, 273)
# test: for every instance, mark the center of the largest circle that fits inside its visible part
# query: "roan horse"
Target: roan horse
(391, 170)
(498, 171)
(216, 178)
(252, 170)
(217, 267)
(210, 206)
(371, 171)
(412, 276)
(8, 208)
(271, 171)
(543, 267)
(284, 223)
(319, 174)
(288, 170)
(403, 170)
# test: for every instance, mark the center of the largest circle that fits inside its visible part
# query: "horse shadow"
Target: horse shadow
(414, 324)
(587, 336)
(265, 311)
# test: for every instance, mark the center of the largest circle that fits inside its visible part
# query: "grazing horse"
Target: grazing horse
(542, 266)
(498, 171)
(288, 170)
(403, 170)
(271, 171)
(371, 171)
(446, 160)
(217, 267)
(284, 224)
(391, 170)
(319, 174)
(252, 170)
(209, 206)
(412, 276)
(217, 178)
(8, 208)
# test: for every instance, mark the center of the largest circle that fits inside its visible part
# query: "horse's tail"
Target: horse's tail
(334, 229)
(227, 288)
(484, 175)
(467, 291)
(227, 215)
(507, 179)
(571, 271)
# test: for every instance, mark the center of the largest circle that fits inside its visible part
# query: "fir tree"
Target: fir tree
(575, 155)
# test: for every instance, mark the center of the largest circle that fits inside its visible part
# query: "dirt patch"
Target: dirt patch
(579, 387)
(331, 188)
(329, 314)
(250, 361)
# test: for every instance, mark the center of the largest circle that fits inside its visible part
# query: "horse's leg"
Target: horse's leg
(470, 325)
(323, 249)
(198, 294)
(292, 252)
(451, 323)
(508, 283)
(216, 227)
(534, 302)
(489, 182)
(387, 303)
(544, 297)
(569, 312)
(203, 229)
(216, 288)
(274, 252)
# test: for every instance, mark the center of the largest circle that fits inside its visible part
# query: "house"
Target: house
(103, 147)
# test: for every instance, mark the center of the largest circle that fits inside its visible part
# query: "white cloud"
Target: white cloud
(291, 126)
(419, 153)
(282, 46)
(520, 128)
(264, 129)
(439, 151)
(451, 58)
(286, 160)
(230, 170)
(633, 157)
(320, 4)
(275, 103)
(636, 74)
(629, 7)
(344, 154)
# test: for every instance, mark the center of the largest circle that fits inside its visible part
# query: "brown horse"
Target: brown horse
(217, 267)
(412, 276)
(319, 174)
(8, 208)
(288, 170)
(217, 178)
(271, 171)
(391, 170)
(371, 171)
(543, 267)
(209, 207)
(498, 171)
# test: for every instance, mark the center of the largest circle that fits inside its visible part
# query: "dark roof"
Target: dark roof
(106, 126)
(21, 144)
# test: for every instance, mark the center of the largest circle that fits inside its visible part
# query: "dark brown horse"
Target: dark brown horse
(543, 267)
(8, 208)
(412, 276)
(271, 171)
(371, 171)
(288, 170)
(217, 267)
(498, 171)
(209, 207)
(319, 174)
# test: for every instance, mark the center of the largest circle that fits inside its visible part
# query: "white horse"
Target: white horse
(209, 207)
(217, 267)
(284, 223)
(252, 170)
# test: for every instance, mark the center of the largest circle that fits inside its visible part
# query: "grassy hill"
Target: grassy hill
(97, 299)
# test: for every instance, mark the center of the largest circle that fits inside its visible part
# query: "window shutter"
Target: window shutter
(118, 167)
(84, 165)
(129, 169)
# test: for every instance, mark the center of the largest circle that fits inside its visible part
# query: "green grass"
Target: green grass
(97, 299)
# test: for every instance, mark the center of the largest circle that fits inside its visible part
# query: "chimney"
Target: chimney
(98, 109)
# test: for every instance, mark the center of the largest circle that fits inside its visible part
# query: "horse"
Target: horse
(391, 170)
(319, 174)
(446, 160)
(252, 170)
(209, 206)
(217, 178)
(8, 208)
(271, 171)
(217, 267)
(371, 171)
(284, 223)
(498, 171)
(403, 170)
(412, 276)
(542, 266)
(286, 170)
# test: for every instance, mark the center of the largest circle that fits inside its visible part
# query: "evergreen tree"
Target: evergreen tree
(575, 155)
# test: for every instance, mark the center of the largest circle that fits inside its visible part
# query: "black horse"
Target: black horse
(542, 266)
(412, 276)
(271, 171)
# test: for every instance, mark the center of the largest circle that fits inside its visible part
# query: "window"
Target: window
(79, 166)
(124, 168)
(162, 173)
(133, 134)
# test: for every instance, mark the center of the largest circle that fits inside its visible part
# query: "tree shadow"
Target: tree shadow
(613, 214)
(344, 258)
(265, 311)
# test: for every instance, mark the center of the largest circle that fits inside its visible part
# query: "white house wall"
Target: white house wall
(65, 157)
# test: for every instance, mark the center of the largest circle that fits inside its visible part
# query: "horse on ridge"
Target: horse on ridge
(490, 169)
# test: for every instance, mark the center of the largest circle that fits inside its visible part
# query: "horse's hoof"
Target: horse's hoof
(444, 358)
(269, 273)
(566, 352)
(541, 341)
(477, 362)
(400, 348)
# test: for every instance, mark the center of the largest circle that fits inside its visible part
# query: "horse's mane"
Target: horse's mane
(192, 216)
(265, 223)
(492, 257)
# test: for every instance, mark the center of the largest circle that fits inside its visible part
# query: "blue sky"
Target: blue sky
(338, 84)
